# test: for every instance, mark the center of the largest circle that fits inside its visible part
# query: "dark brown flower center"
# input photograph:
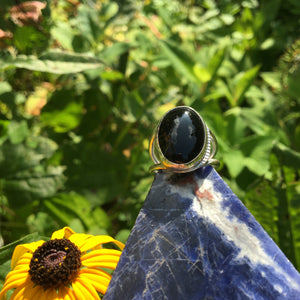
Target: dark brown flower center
(55, 263)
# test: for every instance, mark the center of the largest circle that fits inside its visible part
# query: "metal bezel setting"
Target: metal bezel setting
(204, 157)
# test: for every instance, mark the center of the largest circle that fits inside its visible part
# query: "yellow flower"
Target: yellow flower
(69, 266)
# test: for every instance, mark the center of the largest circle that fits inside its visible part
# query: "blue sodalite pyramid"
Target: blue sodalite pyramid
(194, 239)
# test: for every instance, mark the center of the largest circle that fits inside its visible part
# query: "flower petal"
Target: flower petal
(95, 241)
(79, 239)
(16, 275)
(24, 261)
(20, 286)
(77, 292)
(65, 232)
(89, 288)
(100, 258)
(48, 294)
(20, 250)
(98, 272)
(14, 281)
(38, 294)
(33, 291)
(18, 293)
(101, 264)
(81, 292)
(100, 252)
(65, 293)
(99, 283)
(22, 268)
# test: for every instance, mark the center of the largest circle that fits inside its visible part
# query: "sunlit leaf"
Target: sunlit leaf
(257, 151)
(202, 73)
(243, 83)
(66, 207)
(112, 75)
(273, 79)
(216, 61)
(235, 161)
(64, 119)
(112, 53)
(63, 33)
(20, 191)
(56, 62)
(122, 235)
(17, 131)
(181, 62)
(22, 156)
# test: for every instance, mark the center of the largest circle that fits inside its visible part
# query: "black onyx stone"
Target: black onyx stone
(181, 135)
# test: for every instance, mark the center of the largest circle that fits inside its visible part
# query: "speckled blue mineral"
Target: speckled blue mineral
(194, 239)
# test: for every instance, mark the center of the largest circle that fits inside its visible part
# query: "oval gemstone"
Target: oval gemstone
(181, 135)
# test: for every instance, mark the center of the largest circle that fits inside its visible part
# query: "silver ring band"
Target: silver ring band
(182, 142)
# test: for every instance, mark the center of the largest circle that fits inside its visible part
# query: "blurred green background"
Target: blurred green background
(83, 84)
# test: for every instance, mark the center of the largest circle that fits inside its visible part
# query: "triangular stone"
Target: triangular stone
(194, 239)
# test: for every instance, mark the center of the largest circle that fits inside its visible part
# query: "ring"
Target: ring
(182, 142)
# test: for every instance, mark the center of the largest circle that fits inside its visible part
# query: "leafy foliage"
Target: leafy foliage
(83, 84)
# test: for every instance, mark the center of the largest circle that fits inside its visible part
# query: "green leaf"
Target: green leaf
(287, 156)
(112, 75)
(243, 83)
(19, 157)
(64, 119)
(267, 44)
(256, 150)
(56, 62)
(112, 53)
(122, 235)
(5, 87)
(296, 5)
(202, 73)
(262, 201)
(236, 126)
(109, 10)
(216, 61)
(208, 61)
(66, 207)
(17, 131)
(235, 162)
(32, 186)
(287, 194)
(4, 270)
(293, 84)
(87, 21)
(27, 38)
(101, 218)
(41, 223)
(7, 251)
(293, 194)
(77, 225)
(63, 33)
(255, 118)
(273, 79)
(3, 132)
(181, 62)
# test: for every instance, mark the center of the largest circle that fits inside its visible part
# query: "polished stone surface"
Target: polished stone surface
(194, 239)
(181, 135)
